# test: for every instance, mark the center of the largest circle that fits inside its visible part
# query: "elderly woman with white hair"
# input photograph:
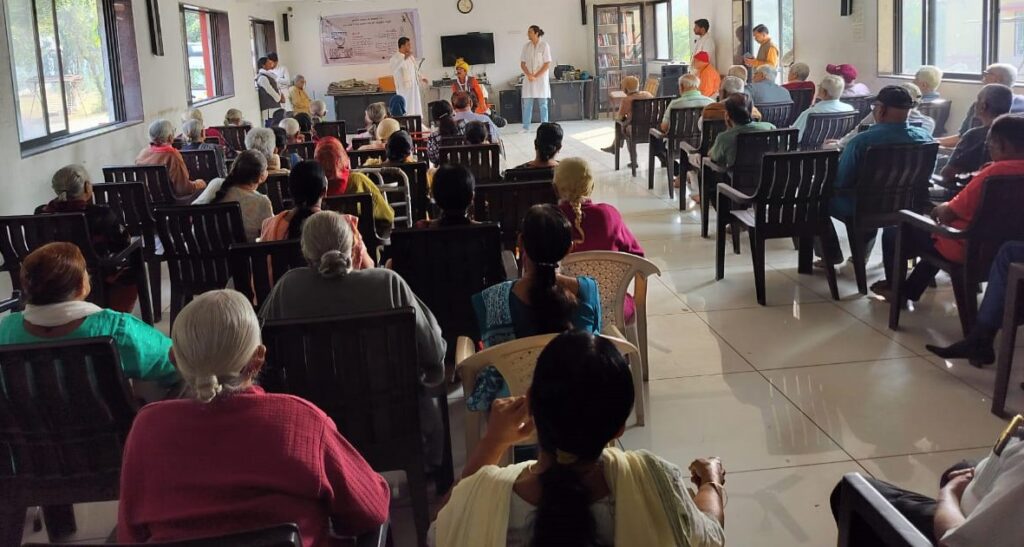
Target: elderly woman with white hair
(263, 140)
(330, 286)
(298, 96)
(161, 152)
(292, 130)
(829, 92)
(195, 139)
(318, 109)
(928, 78)
(196, 114)
(233, 457)
(798, 75)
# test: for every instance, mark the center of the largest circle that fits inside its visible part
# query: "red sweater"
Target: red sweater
(244, 461)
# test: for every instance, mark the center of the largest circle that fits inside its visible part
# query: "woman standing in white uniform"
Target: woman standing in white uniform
(536, 65)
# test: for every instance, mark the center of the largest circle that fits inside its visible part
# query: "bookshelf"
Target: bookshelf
(619, 47)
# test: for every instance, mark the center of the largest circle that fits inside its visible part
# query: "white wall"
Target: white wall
(26, 182)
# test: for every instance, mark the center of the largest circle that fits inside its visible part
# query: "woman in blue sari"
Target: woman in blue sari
(542, 301)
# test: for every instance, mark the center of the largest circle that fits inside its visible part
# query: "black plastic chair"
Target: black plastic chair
(861, 103)
(410, 124)
(304, 150)
(203, 164)
(683, 126)
(361, 371)
(997, 221)
(196, 241)
(65, 412)
(1013, 315)
(256, 267)
(233, 136)
(889, 179)
(481, 159)
(709, 131)
(745, 174)
(791, 200)
(279, 193)
(506, 203)
(646, 115)
(866, 519)
(937, 110)
(527, 174)
(20, 235)
(156, 179)
(13, 303)
(777, 114)
(360, 206)
(823, 127)
(358, 157)
(359, 142)
(802, 100)
(334, 129)
(282, 535)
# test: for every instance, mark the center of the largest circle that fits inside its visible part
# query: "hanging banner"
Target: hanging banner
(367, 38)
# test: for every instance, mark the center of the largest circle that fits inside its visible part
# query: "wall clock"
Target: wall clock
(465, 6)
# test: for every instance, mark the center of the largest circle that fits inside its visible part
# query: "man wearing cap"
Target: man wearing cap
(891, 108)
(849, 75)
(916, 117)
(703, 41)
(469, 84)
(767, 52)
(764, 90)
(710, 80)
(631, 87)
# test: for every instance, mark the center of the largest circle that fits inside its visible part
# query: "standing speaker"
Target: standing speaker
(670, 75)
(511, 105)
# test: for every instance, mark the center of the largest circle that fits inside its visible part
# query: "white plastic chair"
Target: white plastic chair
(516, 360)
(613, 272)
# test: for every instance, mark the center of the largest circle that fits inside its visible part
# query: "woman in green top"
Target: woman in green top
(56, 282)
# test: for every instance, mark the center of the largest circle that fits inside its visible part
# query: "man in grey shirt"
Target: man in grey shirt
(764, 90)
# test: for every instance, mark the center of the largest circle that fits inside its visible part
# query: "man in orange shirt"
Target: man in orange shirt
(767, 53)
(710, 80)
(1006, 148)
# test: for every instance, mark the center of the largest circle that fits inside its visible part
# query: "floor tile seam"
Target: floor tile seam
(783, 467)
(921, 453)
(929, 355)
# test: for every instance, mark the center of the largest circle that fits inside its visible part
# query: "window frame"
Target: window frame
(668, 30)
(121, 67)
(220, 54)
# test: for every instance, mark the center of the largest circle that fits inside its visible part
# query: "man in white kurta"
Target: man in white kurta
(536, 66)
(282, 76)
(407, 78)
(702, 39)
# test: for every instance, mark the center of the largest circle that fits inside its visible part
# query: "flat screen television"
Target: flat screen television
(477, 48)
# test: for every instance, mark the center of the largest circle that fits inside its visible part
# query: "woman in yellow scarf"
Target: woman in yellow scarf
(578, 493)
(468, 84)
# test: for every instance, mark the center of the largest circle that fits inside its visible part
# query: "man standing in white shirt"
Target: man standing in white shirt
(407, 78)
(270, 96)
(281, 75)
(703, 40)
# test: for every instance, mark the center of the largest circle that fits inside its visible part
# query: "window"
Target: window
(75, 67)
(207, 54)
(671, 30)
(777, 15)
(681, 31)
(961, 37)
(662, 34)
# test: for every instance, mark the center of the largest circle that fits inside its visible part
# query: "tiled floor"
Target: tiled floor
(791, 395)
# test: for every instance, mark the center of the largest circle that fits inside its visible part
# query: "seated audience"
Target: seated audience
(55, 284)
(706, 74)
(331, 287)
(578, 488)
(1006, 148)
(977, 504)
(197, 115)
(631, 87)
(308, 186)
(265, 141)
(979, 346)
(397, 151)
(195, 139)
(305, 122)
(248, 172)
(292, 130)
(463, 105)
(447, 127)
(690, 96)
(386, 128)
(739, 119)
(234, 117)
(477, 133)
(161, 152)
(465, 83)
(297, 95)
(829, 92)
(318, 110)
(915, 117)
(542, 301)
(891, 109)
(764, 90)
(928, 79)
(452, 191)
(730, 85)
(997, 73)
(73, 187)
(849, 76)
(738, 71)
(798, 74)
(375, 113)
(281, 148)
(546, 145)
(231, 457)
(971, 152)
(331, 155)
(396, 106)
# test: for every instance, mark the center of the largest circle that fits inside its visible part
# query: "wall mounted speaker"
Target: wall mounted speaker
(284, 26)
(583, 10)
(846, 7)
(156, 34)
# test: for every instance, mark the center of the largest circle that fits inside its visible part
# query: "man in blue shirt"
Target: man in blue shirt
(829, 91)
(463, 105)
(764, 90)
(891, 108)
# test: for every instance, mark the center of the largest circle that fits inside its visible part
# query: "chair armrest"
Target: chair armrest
(714, 166)
(734, 195)
(657, 133)
(464, 349)
(861, 502)
(9, 304)
(688, 148)
(924, 223)
(508, 261)
(134, 246)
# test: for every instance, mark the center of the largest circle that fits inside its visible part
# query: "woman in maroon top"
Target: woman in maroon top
(235, 458)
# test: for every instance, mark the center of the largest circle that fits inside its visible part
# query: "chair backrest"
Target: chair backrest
(358, 157)
(647, 115)
(234, 136)
(862, 103)
(823, 126)
(201, 164)
(359, 142)
(506, 203)
(481, 159)
(526, 174)
(305, 150)
(20, 235)
(279, 192)
(894, 177)
(454, 140)
(256, 267)
(795, 189)
(130, 202)
(11, 303)
(802, 99)
(420, 193)
(155, 177)
(196, 240)
(360, 206)
(614, 273)
(652, 85)
(709, 131)
(777, 114)
(997, 220)
(65, 412)
(334, 129)
(282, 535)
(937, 110)
(867, 518)
(445, 267)
(684, 125)
(411, 124)
(751, 147)
(361, 370)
